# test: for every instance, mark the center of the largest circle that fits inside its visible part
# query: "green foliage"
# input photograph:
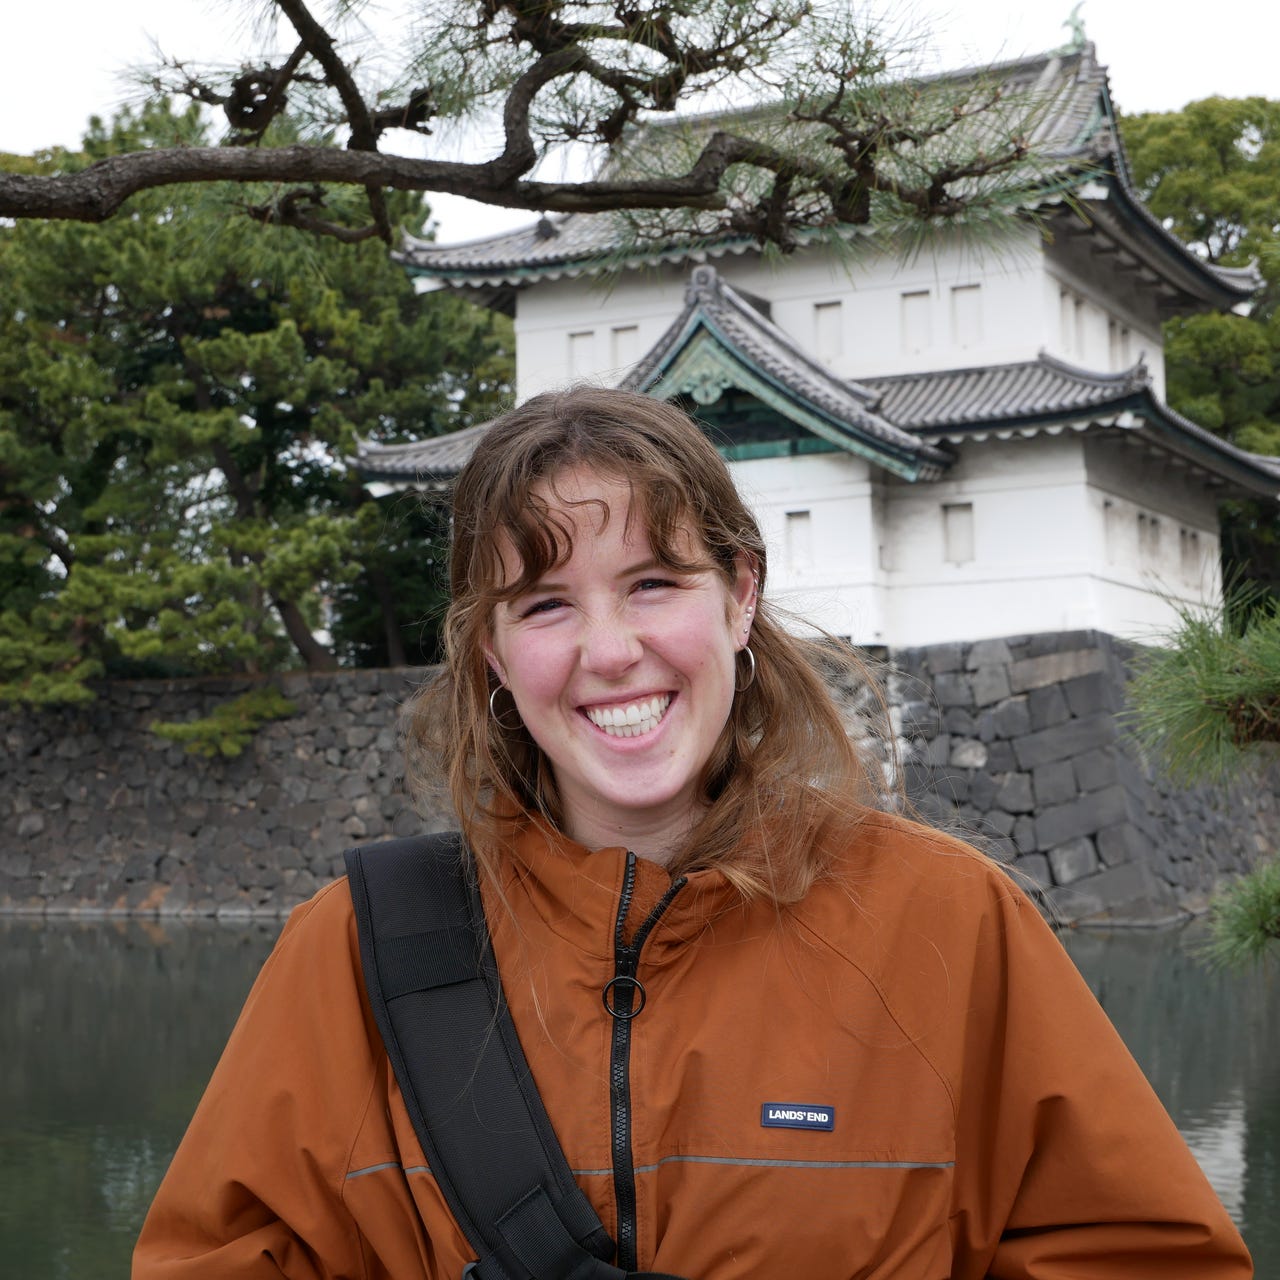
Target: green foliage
(1211, 172)
(1204, 706)
(229, 728)
(1244, 920)
(179, 391)
(404, 559)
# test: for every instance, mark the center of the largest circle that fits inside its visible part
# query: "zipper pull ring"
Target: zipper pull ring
(634, 997)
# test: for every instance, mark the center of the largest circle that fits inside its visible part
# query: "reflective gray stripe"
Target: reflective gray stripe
(779, 1164)
(390, 1164)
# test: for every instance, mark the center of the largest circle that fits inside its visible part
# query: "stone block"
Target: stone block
(982, 791)
(1054, 668)
(988, 653)
(1012, 717)
(1096, 769)
(1073, 860)
(1123, 843)
(998, 824)
(1061, 742)
(1054, 783)
(1035, 867)
(989, 684)
(960, 721)
(1014, 793)
(1060, 641)
(941, 658)
(916, 719)
(1024, 834)
(937, 752)
(1080, 817)
(1047, 707)
(953, 788)
(967, 753)
(1000, 758)
(1097, 691)
(1129, 894)
(953, 690)
(30, 824)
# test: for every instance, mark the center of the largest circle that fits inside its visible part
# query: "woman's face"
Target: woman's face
(622, 671)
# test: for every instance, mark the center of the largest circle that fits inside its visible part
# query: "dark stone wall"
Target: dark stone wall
(1014, 742)
(101, 814)
(1018, 743)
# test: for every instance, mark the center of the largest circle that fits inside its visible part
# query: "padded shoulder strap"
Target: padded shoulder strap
(437, 999)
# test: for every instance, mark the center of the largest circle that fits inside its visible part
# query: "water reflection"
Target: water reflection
(110, 1030)
(1209, 1043)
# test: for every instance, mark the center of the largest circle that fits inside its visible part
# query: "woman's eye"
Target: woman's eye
(541, 606)
(653, 584)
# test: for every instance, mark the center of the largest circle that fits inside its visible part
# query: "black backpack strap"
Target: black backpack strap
(437, 999)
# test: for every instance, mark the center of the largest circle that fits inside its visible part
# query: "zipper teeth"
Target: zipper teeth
(627, 961)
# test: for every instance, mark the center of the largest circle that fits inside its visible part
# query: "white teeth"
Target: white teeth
(633, 720)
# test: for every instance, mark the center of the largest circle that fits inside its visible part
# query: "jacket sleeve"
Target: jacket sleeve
(255, 1188)
(1067, 1165)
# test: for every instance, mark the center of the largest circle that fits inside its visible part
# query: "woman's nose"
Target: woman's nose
(610, 648)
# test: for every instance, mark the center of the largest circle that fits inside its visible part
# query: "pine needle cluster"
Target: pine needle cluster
(1208, 704)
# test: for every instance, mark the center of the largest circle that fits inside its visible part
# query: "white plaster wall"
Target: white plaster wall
(999, 315)
(1030, 571)
(833, 579)
(1107, 320)
(1155, 526)
(1055, 542)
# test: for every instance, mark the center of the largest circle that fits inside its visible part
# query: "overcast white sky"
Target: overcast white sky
(62, 60)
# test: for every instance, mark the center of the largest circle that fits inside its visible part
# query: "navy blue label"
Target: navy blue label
(797, 1115)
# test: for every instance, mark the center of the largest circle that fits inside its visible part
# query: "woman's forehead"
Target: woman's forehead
(578, 503)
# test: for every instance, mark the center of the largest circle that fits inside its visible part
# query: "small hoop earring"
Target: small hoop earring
(751, 674)
(493, 710)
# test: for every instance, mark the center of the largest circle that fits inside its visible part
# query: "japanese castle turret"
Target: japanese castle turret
(970, 443)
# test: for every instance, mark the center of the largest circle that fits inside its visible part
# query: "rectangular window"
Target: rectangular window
(1148, 536)
(1118, 342)
(582, 353)
(966, 315)
(1112, 532)
(799, 540)
(917, 328)
(1189, 554)
(957, 532)
(828, 331)
(1066, 321)
(1081, 334)
(624, 345)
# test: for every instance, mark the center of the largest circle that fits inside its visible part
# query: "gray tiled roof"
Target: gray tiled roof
(739, 325)
(926, 409)
(956, 404)
(1074, 128)
(1028, 391)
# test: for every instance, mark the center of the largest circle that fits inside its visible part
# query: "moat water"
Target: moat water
(109, 1030)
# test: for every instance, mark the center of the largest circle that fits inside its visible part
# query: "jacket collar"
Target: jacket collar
(576, 891)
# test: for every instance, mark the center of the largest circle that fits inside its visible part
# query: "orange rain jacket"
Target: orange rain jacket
(903, 1076)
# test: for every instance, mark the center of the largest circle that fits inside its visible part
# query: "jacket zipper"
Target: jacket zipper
(626, 964)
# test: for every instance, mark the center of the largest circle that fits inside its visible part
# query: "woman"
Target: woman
(860, 1051)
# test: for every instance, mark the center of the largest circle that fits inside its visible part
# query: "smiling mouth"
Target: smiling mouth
(632, 720)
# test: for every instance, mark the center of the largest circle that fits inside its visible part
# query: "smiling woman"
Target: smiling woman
(778, 1029)
(603, 560)
(622, 669)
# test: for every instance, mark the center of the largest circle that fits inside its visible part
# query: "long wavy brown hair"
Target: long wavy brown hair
(784, 771)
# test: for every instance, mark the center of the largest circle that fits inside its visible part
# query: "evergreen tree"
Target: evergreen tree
(179, 390)
(1211, 173)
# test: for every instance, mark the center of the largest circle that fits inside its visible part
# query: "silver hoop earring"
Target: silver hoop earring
(493, 710)
(751, 674)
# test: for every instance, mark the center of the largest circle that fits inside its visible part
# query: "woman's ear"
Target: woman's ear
(492, 659)
(744, 594)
